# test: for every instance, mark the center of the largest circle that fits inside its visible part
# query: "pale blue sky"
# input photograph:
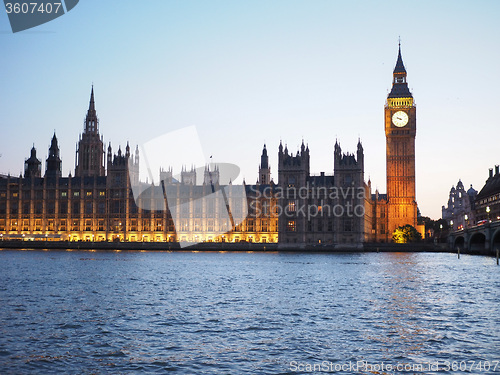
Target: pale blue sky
(249, 72)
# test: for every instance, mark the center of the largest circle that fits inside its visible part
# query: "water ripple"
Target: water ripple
(231, 313)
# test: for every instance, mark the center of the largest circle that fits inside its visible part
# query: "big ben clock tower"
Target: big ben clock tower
(400, 130)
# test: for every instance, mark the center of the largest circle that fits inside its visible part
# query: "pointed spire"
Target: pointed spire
(399, 83)
(91, 125)
(92, 103)
(399, 68)
(53, 162)
(54, 148)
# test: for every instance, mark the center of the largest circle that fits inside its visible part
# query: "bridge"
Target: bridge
(477, 239)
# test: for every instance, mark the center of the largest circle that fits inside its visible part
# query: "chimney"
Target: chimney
(491, 172)
(497, 169)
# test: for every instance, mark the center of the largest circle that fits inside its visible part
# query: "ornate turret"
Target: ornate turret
(53, 162)
(264, 168)
(188, 177)
(211, 176)
(32, 166)
(360, 155)
(110, 154)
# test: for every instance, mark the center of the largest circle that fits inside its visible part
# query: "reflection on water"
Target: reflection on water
(218, 313)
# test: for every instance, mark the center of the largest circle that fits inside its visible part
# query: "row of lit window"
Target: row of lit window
(64, 194)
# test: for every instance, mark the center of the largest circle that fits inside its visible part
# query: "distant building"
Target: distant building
(487, 204)
(460, 210)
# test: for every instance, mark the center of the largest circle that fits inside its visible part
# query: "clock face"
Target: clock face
(400, 119)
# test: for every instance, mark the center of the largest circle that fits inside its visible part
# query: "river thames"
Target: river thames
(83, 312)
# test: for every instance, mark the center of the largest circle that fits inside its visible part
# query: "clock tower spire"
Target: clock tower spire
(400, 131)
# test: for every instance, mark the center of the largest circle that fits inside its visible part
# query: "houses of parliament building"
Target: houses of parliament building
(105, 200)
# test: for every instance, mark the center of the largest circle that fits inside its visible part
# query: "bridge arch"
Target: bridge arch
(495, 240)
(477, 242)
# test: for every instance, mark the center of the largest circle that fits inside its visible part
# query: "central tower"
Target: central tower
(90, 149)
(400, 131)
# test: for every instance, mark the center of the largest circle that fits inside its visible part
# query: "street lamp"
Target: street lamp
(466, 217)
(488, 212)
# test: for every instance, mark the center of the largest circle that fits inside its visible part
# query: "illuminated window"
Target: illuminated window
(89, 193)
(102, 193)
(76, 193)
(265, 226)
(291, 226)
(64, 194)
(250, 225)
(292, 206)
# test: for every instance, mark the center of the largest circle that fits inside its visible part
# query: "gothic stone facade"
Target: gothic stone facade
(105, 201)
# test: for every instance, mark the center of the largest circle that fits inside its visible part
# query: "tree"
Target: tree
(405, 234)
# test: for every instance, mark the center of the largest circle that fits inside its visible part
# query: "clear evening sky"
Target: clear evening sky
(247, 73)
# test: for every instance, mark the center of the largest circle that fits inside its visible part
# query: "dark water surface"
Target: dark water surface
(82, 312)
